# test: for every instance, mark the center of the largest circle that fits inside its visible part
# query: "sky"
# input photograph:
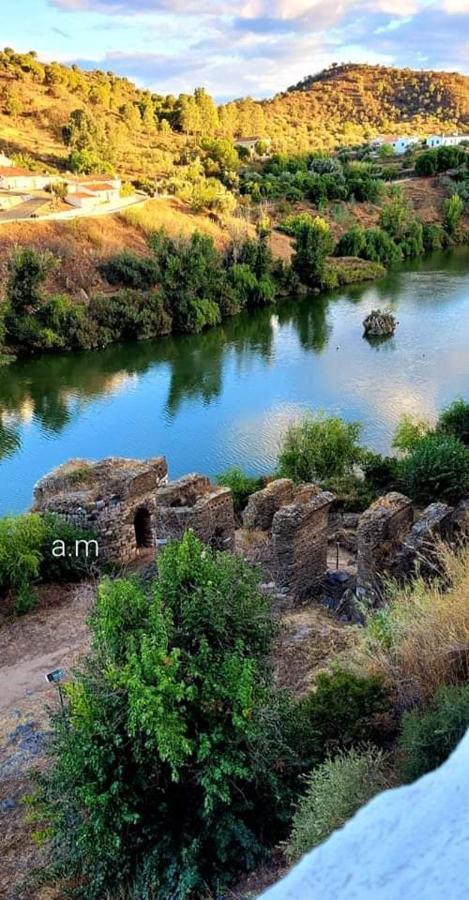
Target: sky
(236, 48)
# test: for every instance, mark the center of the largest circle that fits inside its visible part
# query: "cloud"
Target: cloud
(235, 47)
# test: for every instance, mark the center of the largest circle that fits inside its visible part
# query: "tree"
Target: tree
(27, 271)
(453, 209)
(352, 243)
(319, 447)
(426, 163)
(164, 779)
(58, 189)
(12, 103)
(87, 162)
(81, 132)
(313, 243)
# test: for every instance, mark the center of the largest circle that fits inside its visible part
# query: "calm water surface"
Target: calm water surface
(225, 397)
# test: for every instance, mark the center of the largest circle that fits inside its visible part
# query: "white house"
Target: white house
(13, 178)
(86, 193)
(82, 199)
(445, 140)
(5, 161)
(398, 143)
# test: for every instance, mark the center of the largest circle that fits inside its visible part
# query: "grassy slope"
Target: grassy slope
(80, 244)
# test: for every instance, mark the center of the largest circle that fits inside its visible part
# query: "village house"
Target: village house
(249, 143)
(445, 140)
(398, 143)
(15, 178)
(85, 194)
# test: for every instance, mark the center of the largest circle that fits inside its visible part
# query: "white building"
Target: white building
(445, 140)
(5, 161)
(398, 143)
(86, 193)
(13, 178)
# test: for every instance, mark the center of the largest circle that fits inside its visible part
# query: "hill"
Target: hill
(347, 104)
(142, 133)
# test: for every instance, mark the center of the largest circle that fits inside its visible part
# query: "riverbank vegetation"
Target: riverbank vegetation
(432, 462)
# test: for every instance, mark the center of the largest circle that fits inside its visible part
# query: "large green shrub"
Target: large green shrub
(428, 738)
(130, 270)
(335, 791)
(27, 556)
(352, 493)
(453, 209)
(319, 447)
(165, 776)
(455, 420)
(313, 243)
(437, 468)
(342, 711)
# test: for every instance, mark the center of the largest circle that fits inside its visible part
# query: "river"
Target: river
(225, 397)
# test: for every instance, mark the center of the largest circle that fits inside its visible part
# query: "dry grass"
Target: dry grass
(419, 641)
(178, 220)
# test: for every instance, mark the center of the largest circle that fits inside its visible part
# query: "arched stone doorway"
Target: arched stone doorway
(143, 528)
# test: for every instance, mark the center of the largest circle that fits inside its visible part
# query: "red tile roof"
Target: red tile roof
(16, 171)
(101, 186)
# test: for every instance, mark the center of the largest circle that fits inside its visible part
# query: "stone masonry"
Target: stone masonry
(300, 541)
(419, 554)
(381, 531)
(115, 498)
(193, 502)
(262, 505)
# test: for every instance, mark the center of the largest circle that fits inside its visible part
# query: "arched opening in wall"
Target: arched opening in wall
(143, 529)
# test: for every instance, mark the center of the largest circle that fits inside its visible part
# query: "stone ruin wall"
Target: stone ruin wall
(381, 531)
(105, 498)
(300, 534)
(105, 501)
(193, 502)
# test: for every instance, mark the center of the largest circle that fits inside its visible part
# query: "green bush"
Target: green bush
(436, 469)
(21, 540)
(453, 209)
(353, 494)
(409, 433)
(76, 563)
(335, 791)
(455, 420)
(164, 779)
(381, 472)
(434, 237)
(130, 270)
(380, 247)
(26, 557)
(313, 243)
(241, 485)
(428, 738)
(352, 243)
(319, 447)
(342, 711)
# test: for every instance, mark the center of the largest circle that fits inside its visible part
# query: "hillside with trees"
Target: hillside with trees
(62, 116)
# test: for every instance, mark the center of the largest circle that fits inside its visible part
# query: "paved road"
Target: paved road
(20, 213)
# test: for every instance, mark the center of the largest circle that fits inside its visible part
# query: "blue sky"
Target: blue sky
(234, 48)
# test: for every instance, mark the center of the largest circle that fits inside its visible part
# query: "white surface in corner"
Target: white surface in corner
(410, 843)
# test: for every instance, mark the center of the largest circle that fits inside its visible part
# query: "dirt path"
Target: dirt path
(54, 635)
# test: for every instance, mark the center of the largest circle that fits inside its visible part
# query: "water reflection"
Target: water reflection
(226, 395)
